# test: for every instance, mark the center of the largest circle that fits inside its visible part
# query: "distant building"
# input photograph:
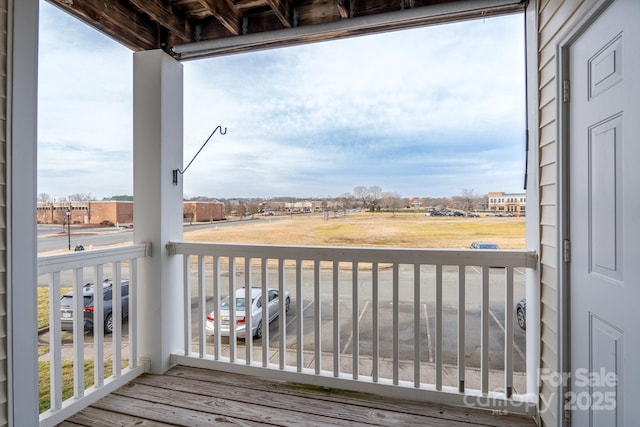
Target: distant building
(116, 212)
(507, 202)
(417, 203)
(85, 212)
(203, 211)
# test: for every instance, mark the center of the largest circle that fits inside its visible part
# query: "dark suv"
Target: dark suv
(66, 306)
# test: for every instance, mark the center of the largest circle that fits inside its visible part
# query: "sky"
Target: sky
(422, 113)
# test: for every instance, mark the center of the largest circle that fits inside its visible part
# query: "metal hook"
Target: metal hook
(176, 171)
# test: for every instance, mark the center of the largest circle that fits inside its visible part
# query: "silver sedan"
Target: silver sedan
(273, 304)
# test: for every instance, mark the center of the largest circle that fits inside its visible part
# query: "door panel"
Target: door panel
(605, 198)
(604, 217)
(605, 367)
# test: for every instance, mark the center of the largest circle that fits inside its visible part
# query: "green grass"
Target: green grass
(67, 379)
(43, 305)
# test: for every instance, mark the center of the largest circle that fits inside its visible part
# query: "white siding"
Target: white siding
(554, 18)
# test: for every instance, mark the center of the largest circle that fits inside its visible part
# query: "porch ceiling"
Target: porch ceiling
(244, 25)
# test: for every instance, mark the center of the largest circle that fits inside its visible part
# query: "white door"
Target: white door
(604, 228)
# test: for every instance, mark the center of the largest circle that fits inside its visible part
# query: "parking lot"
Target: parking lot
(406, 306)
(364, 317)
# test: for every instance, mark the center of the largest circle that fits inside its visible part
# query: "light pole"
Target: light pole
(69, 226)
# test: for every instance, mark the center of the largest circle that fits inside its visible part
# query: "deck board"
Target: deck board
(198, 397)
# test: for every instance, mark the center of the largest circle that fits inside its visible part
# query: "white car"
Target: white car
(257, 303)
(484, 245)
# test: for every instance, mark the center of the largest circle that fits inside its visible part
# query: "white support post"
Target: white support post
(157, 152)
(532, 292)
(19, 77)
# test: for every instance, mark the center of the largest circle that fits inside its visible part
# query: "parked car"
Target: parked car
(256, 305)
(484, 245)
(66, 306)
(521, 314)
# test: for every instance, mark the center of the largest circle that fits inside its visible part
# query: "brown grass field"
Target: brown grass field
(404, 230)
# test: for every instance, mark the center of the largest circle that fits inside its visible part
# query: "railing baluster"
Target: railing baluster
(98, 326)
(233, 340)
(317, 308)
(116, 317)
(484, 331)
(186, 275)
(265, 320)
(217, 340)
(202, 308)
(336, 319)
(462, 274)
(508, 332)
(78, 335)
(55, 342)
(355, 320)
(282, 331)
(299, 318)
(248, 314)
(396, 325)
(438, 344)
(375, 325)
(133, 313)
(416, 325)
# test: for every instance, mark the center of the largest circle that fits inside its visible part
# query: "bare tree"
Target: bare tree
(467, 201)
(81, 197)
(368, 196)
(189, 212)
(392, 201)
(346, 201)
(253, 208)
(44, 197)
(362, 194)
(227, 209)
(375, 193)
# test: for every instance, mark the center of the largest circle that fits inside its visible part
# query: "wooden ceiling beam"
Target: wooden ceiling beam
(329, 30)
(162, 12)
(115, 20)
(283, 10)
(225, 12)
(344, 8)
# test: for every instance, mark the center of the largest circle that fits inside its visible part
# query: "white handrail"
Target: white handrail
(69, 269)
(341, 367)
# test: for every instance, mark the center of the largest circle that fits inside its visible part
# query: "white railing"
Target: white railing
(72, 271)
(423, 324)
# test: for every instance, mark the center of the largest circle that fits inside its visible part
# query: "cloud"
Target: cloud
(84, 109)
(384, 101)
(420, 112)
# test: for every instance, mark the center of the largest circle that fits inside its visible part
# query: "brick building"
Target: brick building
(116, 212)
(203, 211)
(507, 202)
(85, 212)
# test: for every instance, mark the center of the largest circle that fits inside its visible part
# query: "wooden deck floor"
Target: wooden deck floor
(196, 397)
